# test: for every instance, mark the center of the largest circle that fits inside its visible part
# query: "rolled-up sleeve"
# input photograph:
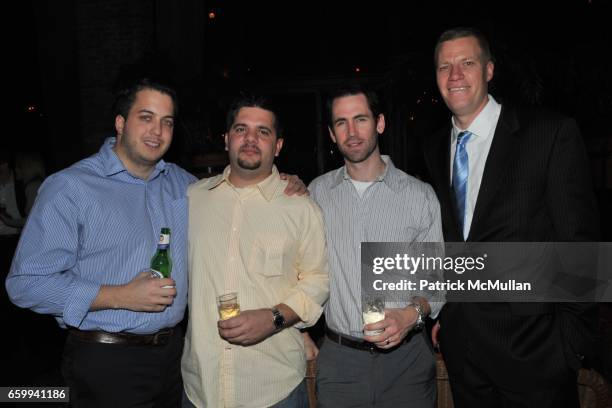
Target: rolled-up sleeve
(42, 275)
(311, 292)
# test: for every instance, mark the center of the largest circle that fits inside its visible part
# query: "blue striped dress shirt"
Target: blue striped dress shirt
(95, 224)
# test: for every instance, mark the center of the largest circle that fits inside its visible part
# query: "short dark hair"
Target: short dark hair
(248, 100)
(462, 32)
(125, 95)
(350, 90)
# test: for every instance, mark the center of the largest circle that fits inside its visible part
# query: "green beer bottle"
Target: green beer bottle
(161, 264)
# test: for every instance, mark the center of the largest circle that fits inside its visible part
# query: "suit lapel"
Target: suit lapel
(442, 180)
(503, 149)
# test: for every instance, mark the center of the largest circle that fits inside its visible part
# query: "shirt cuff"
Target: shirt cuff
(80, 300)
(435, 309)
(307, 310)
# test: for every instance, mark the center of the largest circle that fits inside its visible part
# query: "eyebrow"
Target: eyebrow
(145, 110)
(265, 128)
(256, 127)
(360, 115)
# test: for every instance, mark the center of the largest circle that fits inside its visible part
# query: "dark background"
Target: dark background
(64, 58)
(61, 59)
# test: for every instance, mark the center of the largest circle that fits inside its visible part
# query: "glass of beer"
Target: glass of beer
(373, 309)
(228, 305)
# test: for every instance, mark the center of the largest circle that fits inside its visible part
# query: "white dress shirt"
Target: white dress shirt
(482, 129)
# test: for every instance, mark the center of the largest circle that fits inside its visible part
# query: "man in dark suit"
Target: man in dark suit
(508, 175)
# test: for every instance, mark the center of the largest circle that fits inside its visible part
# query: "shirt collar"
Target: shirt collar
(482, 125)
(269, 187)
(112, 164)
(389, 175)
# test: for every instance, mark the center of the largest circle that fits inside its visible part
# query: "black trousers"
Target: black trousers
(117, 375)
(473, 389)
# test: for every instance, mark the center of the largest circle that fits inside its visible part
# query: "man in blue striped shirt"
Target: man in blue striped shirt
(84, 255)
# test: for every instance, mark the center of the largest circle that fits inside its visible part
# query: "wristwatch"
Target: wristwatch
(420, 321)
(278, 319)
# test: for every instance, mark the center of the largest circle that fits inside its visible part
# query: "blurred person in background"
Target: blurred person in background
(29, 175)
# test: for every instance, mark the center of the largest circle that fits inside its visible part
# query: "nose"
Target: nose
(156, 127)
(251, 135)
(456, 72)
(352, 128)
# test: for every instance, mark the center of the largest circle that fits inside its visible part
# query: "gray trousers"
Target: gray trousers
(403, 377)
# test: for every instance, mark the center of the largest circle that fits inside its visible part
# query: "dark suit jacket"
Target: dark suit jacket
(535, 187)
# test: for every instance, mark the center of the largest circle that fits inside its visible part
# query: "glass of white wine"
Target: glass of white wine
(228, 305)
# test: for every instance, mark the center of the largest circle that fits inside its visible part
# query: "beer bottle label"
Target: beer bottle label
(164, 241)
(156, 274)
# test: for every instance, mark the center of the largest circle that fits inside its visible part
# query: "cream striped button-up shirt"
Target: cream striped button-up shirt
(270, 249)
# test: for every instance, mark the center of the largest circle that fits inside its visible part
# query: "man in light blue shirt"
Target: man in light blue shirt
(84, 255)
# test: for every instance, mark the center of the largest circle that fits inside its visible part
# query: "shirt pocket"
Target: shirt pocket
(267, 255)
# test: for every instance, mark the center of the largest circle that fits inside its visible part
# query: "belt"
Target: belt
(361, 344)
(159, 338)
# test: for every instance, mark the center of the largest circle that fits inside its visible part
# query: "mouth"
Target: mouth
(250, 150)
(353, 143)
(458, 89)
(152, 144)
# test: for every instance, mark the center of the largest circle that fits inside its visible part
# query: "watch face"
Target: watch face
(279, 319)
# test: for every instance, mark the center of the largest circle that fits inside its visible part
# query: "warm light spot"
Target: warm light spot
(357, 69)
(31, 108)
(212, 15)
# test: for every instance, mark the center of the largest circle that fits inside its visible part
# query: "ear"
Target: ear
(489, 70)
(119, 125)
(331, 134)
(225, 137)
(380, 123)
(279, 146)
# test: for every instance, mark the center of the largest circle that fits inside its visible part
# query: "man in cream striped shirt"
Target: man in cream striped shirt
(369, 200)
(246, 236)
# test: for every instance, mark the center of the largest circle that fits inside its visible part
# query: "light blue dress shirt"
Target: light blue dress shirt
(95, 224)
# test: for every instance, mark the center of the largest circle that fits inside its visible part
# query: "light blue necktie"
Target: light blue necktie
(461, 169)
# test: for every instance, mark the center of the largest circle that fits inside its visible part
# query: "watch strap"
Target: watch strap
(420, 321)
